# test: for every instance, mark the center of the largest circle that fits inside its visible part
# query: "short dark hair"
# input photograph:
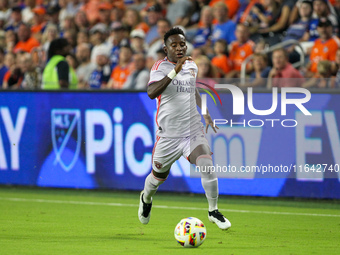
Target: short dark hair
(173, 31)
(55, 46)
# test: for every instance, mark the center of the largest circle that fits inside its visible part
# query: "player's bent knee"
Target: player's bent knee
(205, 160)
(199, 151)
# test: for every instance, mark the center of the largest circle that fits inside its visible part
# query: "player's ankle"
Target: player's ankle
(146, 200)
(211, 209)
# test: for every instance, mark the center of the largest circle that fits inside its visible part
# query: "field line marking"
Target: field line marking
(16, 199)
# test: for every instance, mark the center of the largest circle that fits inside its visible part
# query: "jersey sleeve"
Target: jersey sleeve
(158, 72)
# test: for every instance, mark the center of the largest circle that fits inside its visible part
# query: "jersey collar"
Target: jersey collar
(166, 59)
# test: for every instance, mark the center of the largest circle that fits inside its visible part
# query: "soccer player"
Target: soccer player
(180, 131)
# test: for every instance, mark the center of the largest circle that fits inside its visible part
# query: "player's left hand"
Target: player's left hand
(209, 122)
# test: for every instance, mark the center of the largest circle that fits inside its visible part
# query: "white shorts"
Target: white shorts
(167, 150)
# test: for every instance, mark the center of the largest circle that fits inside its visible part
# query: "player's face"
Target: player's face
(175, 48)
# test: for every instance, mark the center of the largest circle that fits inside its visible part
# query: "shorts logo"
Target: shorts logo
(158, 165)
(66, 137)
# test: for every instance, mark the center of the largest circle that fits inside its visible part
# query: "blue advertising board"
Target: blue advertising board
(105, 140)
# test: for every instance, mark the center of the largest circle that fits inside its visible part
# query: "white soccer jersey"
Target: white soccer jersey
(177, 114)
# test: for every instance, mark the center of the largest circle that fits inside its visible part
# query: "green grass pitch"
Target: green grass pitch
(57, 221)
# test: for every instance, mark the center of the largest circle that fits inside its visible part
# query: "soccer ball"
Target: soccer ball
(190, 232)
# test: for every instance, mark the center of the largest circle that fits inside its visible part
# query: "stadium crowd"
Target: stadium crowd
(113, 44)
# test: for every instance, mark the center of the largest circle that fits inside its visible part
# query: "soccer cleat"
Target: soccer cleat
(144, 210)
(218, 218)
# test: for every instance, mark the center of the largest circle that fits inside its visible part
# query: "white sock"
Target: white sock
(209, 180)
(150, 187)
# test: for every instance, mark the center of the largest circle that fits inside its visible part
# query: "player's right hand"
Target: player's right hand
(180, 63)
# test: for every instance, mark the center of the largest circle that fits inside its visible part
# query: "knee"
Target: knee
(204, 160)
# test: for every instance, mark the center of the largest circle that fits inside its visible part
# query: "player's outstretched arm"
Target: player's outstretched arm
(155, 89)
(207, 117)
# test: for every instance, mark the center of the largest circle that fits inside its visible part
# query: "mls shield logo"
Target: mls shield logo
(66, 136)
